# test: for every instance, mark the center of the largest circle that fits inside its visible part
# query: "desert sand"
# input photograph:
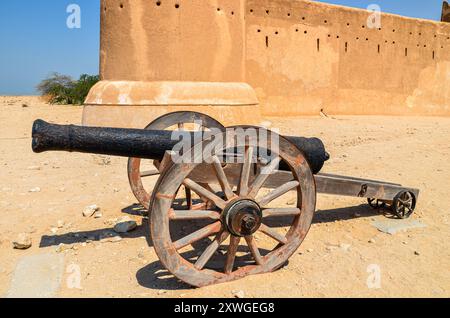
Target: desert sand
(334, 261)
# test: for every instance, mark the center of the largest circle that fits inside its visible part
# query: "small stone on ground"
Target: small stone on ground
(63, 247)
(22, 242)
(98, 215)
(239, 294)
(125, 224)
(90, 210)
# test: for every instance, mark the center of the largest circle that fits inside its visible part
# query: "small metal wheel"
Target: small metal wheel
(241, 211)
(375, 203)
(404, 204)
(177, 120)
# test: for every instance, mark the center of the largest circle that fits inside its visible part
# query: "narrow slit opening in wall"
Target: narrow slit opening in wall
(346, 47)
(379, 49)
(267, 41)
(318, 45)
(434, 55)
(406, 51)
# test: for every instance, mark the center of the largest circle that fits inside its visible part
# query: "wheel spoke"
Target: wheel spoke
(261, 179)
(198, 235)
(202, 127)
(281, 212)
(273, 234)
(149, 173)
(409, 202)
(221, 176)
(200, 206)
(178, 215)
(278, 192)
(254, 249)
(210, 250)
(231, 254)
(194, 186)
(245, 172)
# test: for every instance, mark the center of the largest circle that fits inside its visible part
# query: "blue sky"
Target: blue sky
(425, 9)
(35, 40)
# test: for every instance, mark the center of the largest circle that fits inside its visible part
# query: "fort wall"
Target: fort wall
(151, 40)
(304, 56)
(299, 56)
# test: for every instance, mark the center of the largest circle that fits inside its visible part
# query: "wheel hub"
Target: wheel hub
(242, 217)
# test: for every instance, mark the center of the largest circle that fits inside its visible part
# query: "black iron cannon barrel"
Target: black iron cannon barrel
(103, 141)
(137, 143)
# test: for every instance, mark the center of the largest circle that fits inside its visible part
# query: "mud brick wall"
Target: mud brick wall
(299, 56)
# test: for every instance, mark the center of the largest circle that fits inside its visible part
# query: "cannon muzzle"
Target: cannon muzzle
(103, 141)
(137, 143)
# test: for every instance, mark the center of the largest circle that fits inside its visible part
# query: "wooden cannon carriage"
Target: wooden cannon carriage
(228, 192)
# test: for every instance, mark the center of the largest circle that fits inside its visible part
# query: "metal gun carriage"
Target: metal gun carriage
(231, 190)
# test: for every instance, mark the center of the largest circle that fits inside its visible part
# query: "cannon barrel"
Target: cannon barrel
(137, 143)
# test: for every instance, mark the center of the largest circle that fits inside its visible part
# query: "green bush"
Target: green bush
(62, 89)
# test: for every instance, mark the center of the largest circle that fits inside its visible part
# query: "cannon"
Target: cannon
(233, 179)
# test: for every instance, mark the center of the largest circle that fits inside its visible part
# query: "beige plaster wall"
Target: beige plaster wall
(299, 56)
(304, 56)
(148, 40)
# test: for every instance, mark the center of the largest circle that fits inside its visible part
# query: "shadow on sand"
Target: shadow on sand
(155, 276)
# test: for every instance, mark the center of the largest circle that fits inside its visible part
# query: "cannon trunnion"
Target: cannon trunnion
(232, 193)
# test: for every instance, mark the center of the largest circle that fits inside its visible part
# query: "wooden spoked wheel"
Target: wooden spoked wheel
(240, 212)
(404, 204)
(184, 120)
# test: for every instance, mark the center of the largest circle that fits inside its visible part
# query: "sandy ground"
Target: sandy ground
(333, 261)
